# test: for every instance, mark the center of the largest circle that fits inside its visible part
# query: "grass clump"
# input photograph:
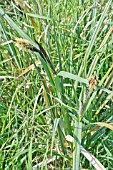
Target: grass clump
(57, 87)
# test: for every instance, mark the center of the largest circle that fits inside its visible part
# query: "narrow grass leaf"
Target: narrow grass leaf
(94, 62)
(94, 36)
(110, 96)
(73, 77)
(76, 145)
(12, 24)
(29, 165)
(56, 122)
(109, 126)
(31, 67)
(94, 161)
(38, 16)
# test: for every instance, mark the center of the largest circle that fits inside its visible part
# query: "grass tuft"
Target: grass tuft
(56, 88)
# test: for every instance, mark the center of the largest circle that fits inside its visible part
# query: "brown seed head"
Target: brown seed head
(92, 82)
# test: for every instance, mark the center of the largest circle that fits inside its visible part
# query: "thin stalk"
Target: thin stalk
(76, 145)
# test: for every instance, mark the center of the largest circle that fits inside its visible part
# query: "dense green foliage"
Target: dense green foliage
(39, 109)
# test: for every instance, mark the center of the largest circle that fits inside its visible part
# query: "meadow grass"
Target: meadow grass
(53, 120)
